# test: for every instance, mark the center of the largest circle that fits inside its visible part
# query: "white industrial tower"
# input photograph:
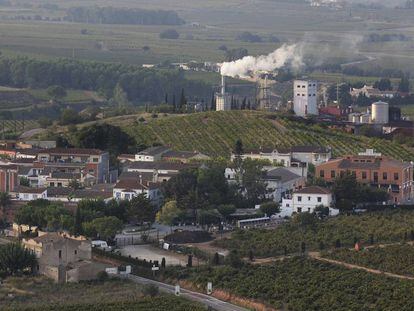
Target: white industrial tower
(305, 95)
(223, 99)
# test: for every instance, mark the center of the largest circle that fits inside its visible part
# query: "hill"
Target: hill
(215, 133)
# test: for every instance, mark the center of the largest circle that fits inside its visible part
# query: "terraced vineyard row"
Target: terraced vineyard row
(17, 125)
(214, 133)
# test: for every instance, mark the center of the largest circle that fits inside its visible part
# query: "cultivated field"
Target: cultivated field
(215, 133)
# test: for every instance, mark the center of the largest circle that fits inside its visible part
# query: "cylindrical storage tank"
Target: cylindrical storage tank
(380, 113)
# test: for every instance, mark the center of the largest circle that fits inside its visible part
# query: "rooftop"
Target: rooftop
(281, 174)
(133, 184)
(30, 190)
(73, 151)
(314, 190)
(162, 165)
(154, 150)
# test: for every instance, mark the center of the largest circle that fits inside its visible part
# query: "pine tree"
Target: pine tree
(174, 104)
(166, 98)
(183, 102)
(77, 230)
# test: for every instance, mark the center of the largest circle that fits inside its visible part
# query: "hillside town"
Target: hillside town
(207, 155)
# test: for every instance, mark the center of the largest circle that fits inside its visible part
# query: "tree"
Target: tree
(190, 261)
(56, 92)
(105, 227)
(216, 259)
(183, 102)
(77, 228)
(169, 213)
(270, 208)
(303, 247)
(69, 116)
(254, 187)
(169, 34)
(226, 210)
(106, 137)
(321, 211)
(121, 97)
(140, 209)
(4, 203)
(234, 259)
(74, 184)
(23, 181)
(14, 259)
(163, 263)
(383, 85)
(404, 85)
(208, 217)
(44, 122)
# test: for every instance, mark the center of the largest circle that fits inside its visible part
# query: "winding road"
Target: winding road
(212, 302)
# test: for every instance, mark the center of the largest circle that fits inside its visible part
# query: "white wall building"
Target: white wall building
(30, 194)
(128, 189)
(307, 199)
(305, 94)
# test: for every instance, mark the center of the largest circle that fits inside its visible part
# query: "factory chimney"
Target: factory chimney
(223, 84)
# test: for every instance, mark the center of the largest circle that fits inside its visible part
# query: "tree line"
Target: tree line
(138, 84)
(126, 16)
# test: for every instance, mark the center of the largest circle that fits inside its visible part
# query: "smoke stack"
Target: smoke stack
(223, 84)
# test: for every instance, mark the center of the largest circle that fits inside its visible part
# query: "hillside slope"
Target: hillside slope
(215, 133)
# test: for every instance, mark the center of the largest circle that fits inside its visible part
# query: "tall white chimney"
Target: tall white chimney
(223, 84)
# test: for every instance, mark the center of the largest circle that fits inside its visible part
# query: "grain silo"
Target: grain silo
(380, 113)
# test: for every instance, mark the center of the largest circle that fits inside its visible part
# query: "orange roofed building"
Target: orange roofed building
(376, 170)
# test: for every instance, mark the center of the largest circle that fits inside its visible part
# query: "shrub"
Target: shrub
(150, 290)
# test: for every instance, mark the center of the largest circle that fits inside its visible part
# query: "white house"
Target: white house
(307, 199)
(305, 98)
(29, 194)
(281, 182)
(127, 189)
(291, 157)
(151, 154)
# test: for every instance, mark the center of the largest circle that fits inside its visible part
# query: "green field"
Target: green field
(210, 25)
(397, 259)
(384, 227)
(301, 284)
(215, 133)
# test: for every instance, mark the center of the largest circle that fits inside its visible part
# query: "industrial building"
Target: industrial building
(305, 101)
(223, 99)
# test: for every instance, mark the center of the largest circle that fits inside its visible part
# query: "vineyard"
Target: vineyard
(397, 259)
(301, 284)
(215, 133)
(382, 227)
(16, 126)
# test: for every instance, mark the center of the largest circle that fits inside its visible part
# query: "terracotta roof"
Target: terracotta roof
(8, 167)
(58, 191)
(306, 149)
(314, 190)
(74, 151)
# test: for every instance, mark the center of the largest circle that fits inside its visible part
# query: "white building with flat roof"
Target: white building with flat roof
(305, 94)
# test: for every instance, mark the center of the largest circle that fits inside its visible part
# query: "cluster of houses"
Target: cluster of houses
(72, 174)
(286, 178)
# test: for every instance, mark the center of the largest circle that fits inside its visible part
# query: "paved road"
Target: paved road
(194, 296)
(31, 133)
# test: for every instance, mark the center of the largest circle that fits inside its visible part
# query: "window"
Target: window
(299, 210)
(60, 254)
(396, 176)
(228, 176)
(375, 177)
(299, 199)
(59, 184)
(52, 184)
(333, 174)
(117, 195)
(364, 175)
(309, 198)
(384, 176)
(127, 196)
(26, 196)
(76, 251)
(95, 160)
(35, 196)
(322, 174)
(319, 199)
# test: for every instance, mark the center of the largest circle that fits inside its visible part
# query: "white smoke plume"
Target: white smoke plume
(286, 55)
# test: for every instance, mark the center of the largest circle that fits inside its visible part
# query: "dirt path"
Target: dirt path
(317, 256)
